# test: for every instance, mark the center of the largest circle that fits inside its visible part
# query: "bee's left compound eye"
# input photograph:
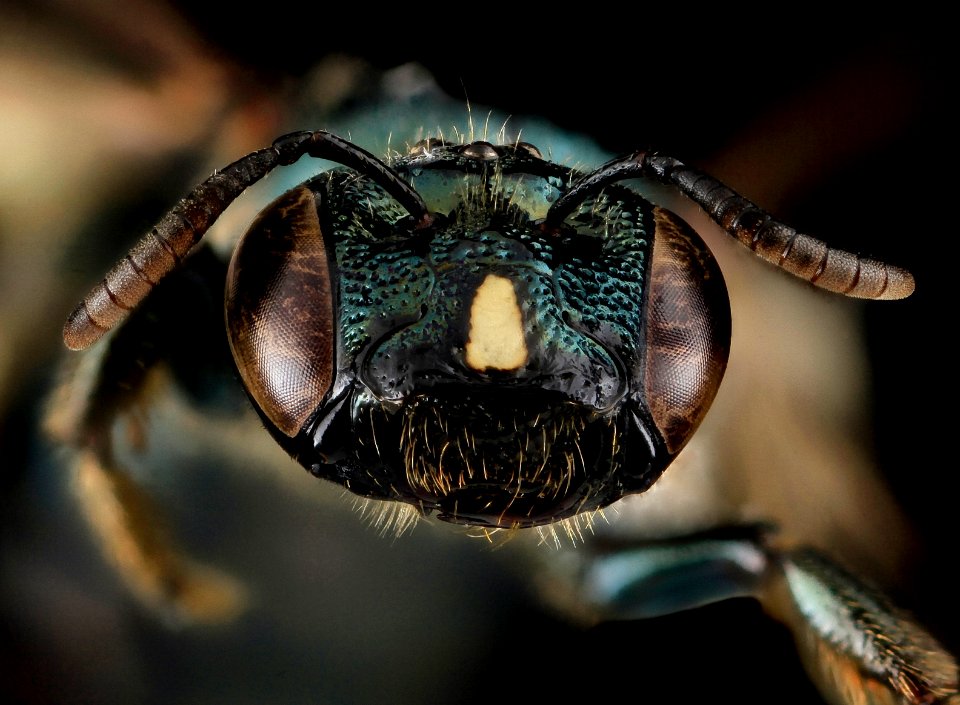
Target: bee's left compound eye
(687, 330)
(279, 310)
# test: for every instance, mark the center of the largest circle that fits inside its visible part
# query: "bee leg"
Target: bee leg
(102, 405)
(130, 534)
(856, 646)
(618, 580)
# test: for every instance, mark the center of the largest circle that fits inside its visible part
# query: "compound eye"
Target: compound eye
(688, 330)
(279, 310)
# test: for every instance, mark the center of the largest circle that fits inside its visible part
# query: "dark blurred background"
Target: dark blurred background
(105, 107)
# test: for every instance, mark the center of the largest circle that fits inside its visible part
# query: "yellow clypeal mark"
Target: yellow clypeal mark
(495, 338)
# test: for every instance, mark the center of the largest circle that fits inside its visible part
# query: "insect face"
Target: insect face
(482, 366)
(482, 334)
(509, 345)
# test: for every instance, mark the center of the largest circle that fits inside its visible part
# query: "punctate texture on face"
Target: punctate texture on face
(486, 367)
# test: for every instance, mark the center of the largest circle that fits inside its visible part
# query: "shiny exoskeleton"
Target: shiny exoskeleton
(476, 331)
(481, 334)
(482, 366)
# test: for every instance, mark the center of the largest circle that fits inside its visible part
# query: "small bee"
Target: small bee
(482, 335)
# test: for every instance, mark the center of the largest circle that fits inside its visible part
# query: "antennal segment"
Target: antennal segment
(162, 249)
(802, 255)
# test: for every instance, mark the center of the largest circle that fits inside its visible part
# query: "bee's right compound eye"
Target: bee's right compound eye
(687, 330)
(279, 310)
